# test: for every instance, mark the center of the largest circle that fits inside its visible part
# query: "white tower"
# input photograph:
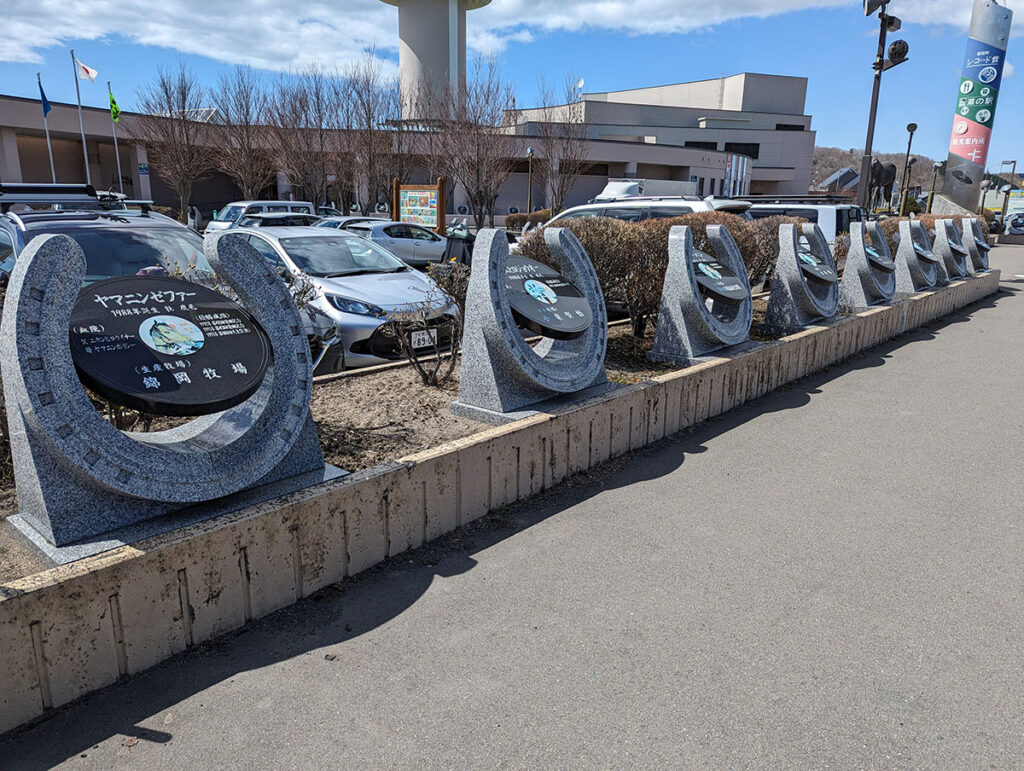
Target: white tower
(432, 48)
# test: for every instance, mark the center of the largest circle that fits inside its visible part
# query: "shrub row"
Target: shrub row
(518, 221)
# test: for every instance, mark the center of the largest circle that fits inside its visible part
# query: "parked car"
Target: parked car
(412, 243)
(357, 283)
(344, 221)
(832, 218)
(277, 220)
(120, 241)
(638, 208)
(233, 212)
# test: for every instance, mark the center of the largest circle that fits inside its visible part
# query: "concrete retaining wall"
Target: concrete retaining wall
(77, 628)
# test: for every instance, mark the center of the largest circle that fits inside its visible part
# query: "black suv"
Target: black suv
(120, 241)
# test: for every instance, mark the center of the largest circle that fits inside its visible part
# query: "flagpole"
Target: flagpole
(46, 127)
(81, 124)
(117, 155)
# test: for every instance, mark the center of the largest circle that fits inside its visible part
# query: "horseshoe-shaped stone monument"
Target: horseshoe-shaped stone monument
(869, 276)
(705, 304)
(951, 252)
(804, 286)
(83, 485)
(973, 238)
(917, 266)
(502, 377)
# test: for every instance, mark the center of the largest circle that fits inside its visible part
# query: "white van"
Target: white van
(230, 215)
(832, 218)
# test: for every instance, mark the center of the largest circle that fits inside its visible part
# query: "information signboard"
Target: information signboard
(420, 204)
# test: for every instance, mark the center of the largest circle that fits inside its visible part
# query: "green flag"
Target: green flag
(115, 111)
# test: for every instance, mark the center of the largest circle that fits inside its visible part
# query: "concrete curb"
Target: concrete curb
(71, 630)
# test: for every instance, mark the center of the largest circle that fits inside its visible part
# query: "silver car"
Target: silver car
(412, 243)
(341, 221)
(358, 285)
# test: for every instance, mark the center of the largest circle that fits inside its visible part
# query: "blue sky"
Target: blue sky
(624, 45)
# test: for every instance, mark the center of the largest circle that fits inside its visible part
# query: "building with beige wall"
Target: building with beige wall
(757, 116)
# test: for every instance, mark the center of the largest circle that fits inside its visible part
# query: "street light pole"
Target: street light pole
(904, 180)
(865, 162)
(931, 191)
(529, 181)
(897, 55)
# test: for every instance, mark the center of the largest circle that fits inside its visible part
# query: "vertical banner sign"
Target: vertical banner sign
(980, 79)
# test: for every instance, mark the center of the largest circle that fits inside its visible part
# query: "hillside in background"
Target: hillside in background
(830, 159)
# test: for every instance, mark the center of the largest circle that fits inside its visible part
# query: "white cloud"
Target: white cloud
(1008, 70)
(270, 34)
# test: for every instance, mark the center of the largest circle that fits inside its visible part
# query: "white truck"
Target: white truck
(628, 188)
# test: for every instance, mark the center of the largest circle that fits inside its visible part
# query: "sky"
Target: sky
(611, 44)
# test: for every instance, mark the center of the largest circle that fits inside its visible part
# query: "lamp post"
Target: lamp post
(529, 181)
(911, 128)
(1007, 188)
(931, 191)
(985, 185)
(897, 55)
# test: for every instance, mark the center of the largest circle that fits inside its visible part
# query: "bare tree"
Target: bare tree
(174, 124)
(562, 140)
(468, 140)
(378, 140)
(300, 115)
(370, 144)
(243, 147)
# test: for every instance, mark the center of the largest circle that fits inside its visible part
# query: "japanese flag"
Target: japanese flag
(85, 72)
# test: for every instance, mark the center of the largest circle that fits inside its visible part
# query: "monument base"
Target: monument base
(724, 352)
(553, 405)
(21, 527)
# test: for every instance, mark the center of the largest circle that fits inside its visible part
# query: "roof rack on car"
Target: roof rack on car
(47, 194)
(146, 206)
(805, 198)
(622, 198)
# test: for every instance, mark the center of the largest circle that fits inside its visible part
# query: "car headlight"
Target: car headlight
(348, 305)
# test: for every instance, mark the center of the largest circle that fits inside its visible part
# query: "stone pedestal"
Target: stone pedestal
(869, 277)
(502, 377)
(973, 238)
(916, 264)
(804, 287)
(952, 254)
(691, 321)
(78, 477)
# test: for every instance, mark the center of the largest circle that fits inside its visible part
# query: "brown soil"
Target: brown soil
(363, 420)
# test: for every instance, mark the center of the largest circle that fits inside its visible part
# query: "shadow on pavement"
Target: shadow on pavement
(347, 610)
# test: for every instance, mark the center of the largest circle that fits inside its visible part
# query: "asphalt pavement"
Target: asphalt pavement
(830, 576)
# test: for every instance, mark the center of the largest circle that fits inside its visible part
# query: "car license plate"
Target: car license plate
(424, 338)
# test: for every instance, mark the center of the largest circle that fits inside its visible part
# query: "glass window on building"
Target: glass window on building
(751, 149)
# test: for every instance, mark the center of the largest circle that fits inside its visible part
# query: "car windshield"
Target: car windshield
(126, 250)
(341, 255)
(229, 214)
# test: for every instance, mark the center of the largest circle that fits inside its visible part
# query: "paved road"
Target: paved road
(832, 576)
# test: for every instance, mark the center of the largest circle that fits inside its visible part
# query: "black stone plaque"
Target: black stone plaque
(166, 346)
(925, 253)
(544, 302)
(876, 258)
(813, 266)
(716, 280)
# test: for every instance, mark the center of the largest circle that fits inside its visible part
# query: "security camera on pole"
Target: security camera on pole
(898, 51)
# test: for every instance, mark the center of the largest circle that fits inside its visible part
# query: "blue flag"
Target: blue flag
(45, 101)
